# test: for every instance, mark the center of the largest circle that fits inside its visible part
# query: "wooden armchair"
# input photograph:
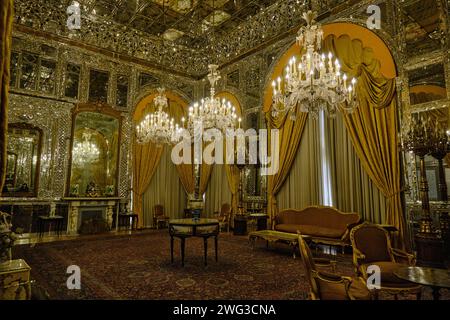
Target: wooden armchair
(159, 216)
(372, 246)
(330, 286)
(224, 216)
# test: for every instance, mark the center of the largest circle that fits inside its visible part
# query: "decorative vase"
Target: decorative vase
(109, 190)
(75, 190)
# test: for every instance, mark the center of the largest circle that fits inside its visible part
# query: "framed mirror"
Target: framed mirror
(427, 84)
(95, 147)
(23, 160)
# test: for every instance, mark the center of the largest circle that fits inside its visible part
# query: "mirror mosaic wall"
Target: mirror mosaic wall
(23, 160)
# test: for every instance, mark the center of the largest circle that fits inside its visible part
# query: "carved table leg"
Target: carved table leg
(182, 251)
(205, 246)
(294, 245)
(171, 249)
(215, 245)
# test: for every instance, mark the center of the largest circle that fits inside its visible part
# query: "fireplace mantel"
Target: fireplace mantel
(79, 204)
(91, 199)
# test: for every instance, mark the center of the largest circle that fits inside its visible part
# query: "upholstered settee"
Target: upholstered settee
(325, 225)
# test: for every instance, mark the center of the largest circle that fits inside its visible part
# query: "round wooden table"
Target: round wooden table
(431, 277)
(185, 228)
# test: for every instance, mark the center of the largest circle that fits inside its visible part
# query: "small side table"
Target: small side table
(185, 228)
(240, 225)
(261, 220)
(128, 220)
(46, 222)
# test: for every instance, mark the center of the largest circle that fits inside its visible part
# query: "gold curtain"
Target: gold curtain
(186, 174)
(233, 184)
(373, 126)
(290, 133)
(6, 18)
(302, 187)
(217, 192)
(145, 162)
(205, 174)
(165, 189)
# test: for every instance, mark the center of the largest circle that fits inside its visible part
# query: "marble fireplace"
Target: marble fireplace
(86, 208)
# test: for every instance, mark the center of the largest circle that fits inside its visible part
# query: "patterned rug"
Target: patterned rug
(138, 267)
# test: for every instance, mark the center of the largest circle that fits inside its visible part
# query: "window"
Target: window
(28, 78)
(98, 86)
(14, 69)
(47, 76)
(72, 81)
(122, 91)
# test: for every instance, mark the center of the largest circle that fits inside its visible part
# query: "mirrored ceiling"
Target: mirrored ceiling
(423, 25)
(187, 22)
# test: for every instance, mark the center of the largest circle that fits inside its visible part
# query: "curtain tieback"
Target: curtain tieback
(393, 194)
(272, 198)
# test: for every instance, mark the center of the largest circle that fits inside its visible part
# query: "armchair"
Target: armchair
(330, 286)
(372, 246)
(224, 216)
(159, 216)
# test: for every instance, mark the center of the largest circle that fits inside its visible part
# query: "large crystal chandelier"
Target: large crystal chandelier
(315, 82)
(212, 112)
(85, 151)
(158, 127)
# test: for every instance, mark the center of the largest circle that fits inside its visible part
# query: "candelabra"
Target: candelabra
(421, 139)
(440, 146)
(417, 140)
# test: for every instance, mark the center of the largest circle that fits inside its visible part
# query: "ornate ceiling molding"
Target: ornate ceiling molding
(98, 33)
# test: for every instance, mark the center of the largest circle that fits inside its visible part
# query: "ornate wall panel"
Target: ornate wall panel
(54, 118)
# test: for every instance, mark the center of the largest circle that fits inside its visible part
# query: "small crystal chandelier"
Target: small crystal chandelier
(158, 127)
(212, 112)
(86, 150)
(315, 82)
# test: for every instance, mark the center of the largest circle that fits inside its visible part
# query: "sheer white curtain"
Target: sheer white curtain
(218, 192)
(165, 188)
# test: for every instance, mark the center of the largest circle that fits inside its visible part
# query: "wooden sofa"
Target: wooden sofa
(325, 225)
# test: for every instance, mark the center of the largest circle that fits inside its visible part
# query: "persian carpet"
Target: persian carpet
(138, 267)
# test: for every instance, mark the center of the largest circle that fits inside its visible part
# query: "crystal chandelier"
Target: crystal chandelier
(212, 112)
(158, 127)
(315, 82)
(86, 151)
